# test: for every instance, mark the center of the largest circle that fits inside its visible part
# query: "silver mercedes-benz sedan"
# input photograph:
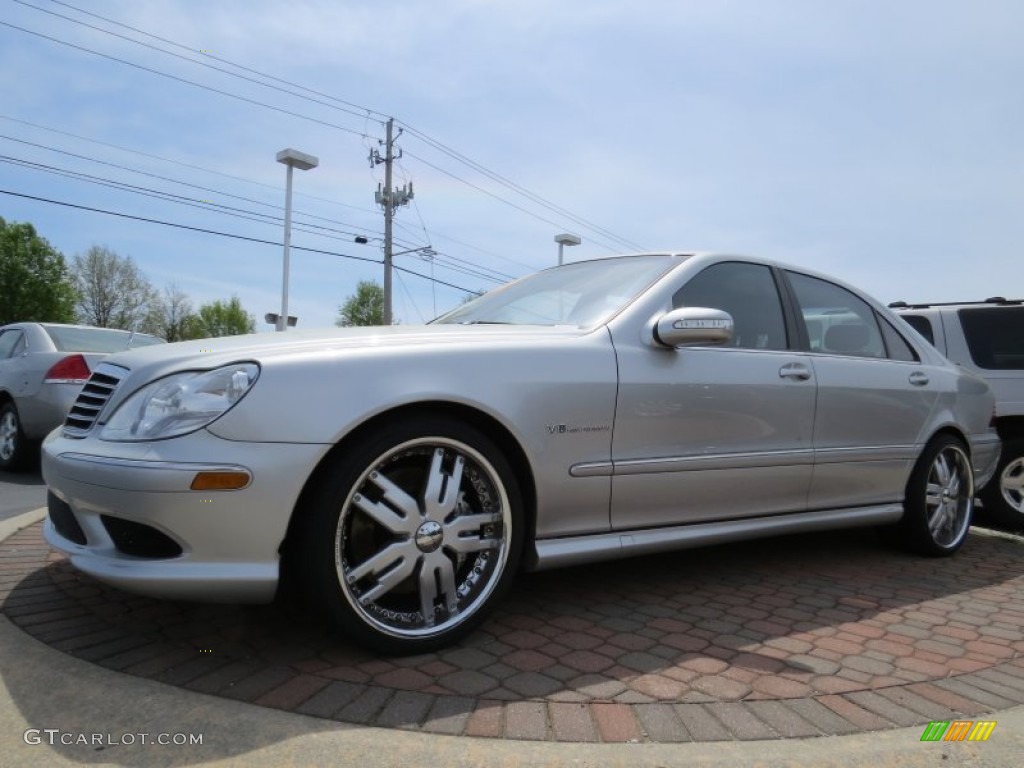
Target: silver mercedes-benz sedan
(400, 476)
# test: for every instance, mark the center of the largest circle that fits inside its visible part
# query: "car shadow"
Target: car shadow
(773, 618)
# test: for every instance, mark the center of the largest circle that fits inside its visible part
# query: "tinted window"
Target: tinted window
(995, 336)
(748, 293)
(922, 325)
(838, 322)
(896, 345)
(8, 339)
(72, 339)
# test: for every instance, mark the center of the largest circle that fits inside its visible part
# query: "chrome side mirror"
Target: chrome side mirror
(693, 327)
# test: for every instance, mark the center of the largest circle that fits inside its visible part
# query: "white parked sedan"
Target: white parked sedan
(402, 475)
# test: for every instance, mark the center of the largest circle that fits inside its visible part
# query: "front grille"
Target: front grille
(139, 540)
(90, 401)
(63, 519)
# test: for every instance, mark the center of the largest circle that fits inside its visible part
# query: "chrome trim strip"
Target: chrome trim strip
(746, 460)
(141, 475)
(864, 453)
(718, 461)
(592, 469)
(136, 464)
(556, 553)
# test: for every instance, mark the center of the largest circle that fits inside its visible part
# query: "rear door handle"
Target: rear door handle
(795, 371)
(918, 379)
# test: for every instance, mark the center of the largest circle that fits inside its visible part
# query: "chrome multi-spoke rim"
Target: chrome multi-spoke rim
(8, 435)
(423, 537)
(949, 496)
(1011, 484)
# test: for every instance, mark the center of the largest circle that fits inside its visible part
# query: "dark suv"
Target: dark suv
(988, 338)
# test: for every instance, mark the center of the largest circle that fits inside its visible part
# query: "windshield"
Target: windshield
(69, 338)
(584, 294)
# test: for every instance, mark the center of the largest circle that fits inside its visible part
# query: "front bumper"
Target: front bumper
(226, 543)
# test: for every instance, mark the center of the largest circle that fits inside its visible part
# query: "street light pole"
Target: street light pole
(293, 159)
(563, 240)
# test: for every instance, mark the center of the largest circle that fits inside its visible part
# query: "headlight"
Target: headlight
(180, 403)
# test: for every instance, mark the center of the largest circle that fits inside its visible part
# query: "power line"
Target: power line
(487, 192)
(360, 113)
(363, 112)
(241, 213)
(184, 80)
(173, 180)
(374, 236)
(182, 164)
(517, 187)
(224, 234)
(362, 109)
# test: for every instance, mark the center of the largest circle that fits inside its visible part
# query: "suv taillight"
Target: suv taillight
(72, 368)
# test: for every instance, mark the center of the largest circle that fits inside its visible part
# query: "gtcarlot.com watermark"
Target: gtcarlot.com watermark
(55, 736)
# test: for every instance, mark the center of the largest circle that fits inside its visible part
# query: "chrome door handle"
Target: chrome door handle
(918, 379)
(795, 371)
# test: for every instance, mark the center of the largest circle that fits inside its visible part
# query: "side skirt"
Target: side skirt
(557, 553)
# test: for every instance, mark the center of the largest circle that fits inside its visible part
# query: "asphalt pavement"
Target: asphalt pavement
(21, 492)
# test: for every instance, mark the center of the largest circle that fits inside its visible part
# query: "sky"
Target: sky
(879, 141)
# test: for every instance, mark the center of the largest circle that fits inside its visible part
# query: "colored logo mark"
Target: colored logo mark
(958, 730)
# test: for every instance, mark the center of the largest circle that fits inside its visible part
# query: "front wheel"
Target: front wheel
(940, 499)
(1004, 494)
(413, 537)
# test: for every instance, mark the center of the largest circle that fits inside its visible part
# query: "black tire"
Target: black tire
(387, 539)
(1003, 496)
(16, 450)
(939, 502)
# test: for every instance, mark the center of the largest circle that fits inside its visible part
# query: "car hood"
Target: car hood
(210, 353)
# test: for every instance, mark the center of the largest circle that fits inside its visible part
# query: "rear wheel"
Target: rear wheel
(940, 499)
(15, 448)
(413, 537)
(1004, 494)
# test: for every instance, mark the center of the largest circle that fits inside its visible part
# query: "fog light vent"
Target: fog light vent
(139, 540)
(63, 519)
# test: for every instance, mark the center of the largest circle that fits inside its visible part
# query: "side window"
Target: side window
(8, 341)
(748, 293)
(897, 346)
(922, 325)
(995, 336)
(838, 322)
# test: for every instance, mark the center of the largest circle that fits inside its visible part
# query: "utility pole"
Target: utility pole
(388, 197)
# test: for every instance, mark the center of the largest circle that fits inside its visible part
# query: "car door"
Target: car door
(874, 397)
(11, 364)
(711, 433)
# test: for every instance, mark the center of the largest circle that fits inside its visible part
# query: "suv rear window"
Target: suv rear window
(995, 336)
(922, 325)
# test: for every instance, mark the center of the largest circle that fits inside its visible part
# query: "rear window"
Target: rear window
(995, 336)
(70, 339)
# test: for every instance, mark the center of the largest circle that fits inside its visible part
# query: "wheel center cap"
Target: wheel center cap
(429, 536)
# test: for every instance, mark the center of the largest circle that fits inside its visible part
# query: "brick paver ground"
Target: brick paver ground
(792, 637)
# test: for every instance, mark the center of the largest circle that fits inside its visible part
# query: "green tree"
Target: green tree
(112, 291)
(170, 315)
(219, 318)
(364, 307)
(35, 283)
